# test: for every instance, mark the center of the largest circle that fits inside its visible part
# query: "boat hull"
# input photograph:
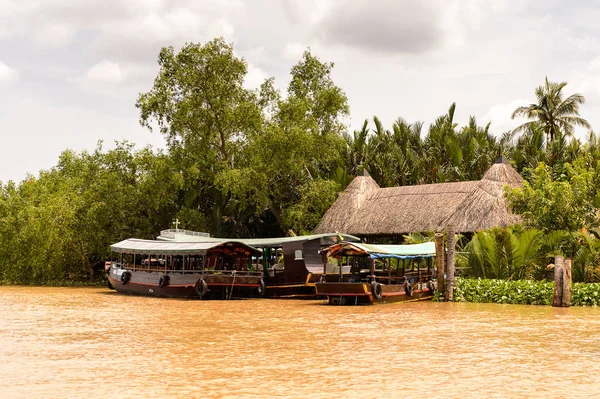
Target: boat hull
(179, 285)
(305, 291)
(346, 293)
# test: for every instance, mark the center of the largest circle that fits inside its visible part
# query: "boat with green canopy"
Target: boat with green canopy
(373, 273)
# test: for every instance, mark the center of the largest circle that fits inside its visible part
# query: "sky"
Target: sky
(71, 70)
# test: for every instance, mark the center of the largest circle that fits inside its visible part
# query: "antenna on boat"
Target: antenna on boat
(176, 223)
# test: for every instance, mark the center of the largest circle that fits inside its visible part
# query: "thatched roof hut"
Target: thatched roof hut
(365, 209)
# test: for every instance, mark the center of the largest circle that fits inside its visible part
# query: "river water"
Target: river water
(94, 343)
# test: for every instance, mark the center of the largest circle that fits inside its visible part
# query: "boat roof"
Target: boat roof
(191, 236)
(154, 247)
(423, 250)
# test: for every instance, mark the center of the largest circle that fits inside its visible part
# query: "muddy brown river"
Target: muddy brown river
(94, 343)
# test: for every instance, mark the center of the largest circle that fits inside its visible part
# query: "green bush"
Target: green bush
(522, 292)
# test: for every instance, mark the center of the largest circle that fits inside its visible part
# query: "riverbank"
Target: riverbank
(521, 292)
(58, 283)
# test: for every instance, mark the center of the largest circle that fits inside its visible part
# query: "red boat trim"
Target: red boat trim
(235, 285)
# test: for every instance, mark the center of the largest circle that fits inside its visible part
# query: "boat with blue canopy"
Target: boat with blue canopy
(375, 273)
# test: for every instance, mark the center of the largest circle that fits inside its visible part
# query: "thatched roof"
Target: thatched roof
(366, 209)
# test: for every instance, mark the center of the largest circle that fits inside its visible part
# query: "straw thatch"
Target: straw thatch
(366, 209)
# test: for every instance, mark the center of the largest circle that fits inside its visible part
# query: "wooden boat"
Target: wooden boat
(214, 270)
(369, 273)
(290, 266)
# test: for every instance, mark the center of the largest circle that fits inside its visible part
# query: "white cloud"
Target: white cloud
(293, 51)
(56, 128)
(104, 72)
(255, 77)
(112, 79)
(7, 74)
(54, 34)
(500, 116)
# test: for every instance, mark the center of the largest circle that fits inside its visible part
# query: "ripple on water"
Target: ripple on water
(84, 342)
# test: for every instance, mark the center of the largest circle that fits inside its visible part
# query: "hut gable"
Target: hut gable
(349, 203)
(365, 209)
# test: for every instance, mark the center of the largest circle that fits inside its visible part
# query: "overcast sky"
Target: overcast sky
(71, 70)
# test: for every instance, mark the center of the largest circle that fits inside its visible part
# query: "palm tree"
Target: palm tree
(553, 114)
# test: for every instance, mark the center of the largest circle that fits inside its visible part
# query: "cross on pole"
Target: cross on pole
(176, 223)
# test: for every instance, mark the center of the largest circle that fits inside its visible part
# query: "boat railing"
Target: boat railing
(170, 233)
(155, 269)
(234, 272)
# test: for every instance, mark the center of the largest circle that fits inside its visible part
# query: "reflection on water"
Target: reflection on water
(82, 342)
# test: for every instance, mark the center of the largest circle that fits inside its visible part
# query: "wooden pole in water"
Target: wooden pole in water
(558, 281)
(566, 287)
(449, 294)
(372, 270)
(439, 260)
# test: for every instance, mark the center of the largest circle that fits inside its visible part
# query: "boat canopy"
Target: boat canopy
(376, 251)
(151, 247)
(190, 236)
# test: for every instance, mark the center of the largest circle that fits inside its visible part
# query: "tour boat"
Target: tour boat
(368, 273)
(218, 269)
(290, 266)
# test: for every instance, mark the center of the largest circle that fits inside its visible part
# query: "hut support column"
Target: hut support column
(439, 260)
(449, 295)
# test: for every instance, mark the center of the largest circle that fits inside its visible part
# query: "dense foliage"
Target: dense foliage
(521, 292)
(248, 163)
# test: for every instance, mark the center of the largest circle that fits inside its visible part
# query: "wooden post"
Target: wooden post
(389, 266)
(449, 295)
(558, 281)
(566, 287)
(439, 260)
(372, 270)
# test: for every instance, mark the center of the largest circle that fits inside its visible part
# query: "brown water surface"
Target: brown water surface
(94, 343)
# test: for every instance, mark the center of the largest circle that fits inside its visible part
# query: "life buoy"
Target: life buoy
(377, 290)
(163, 280)
(201, 287)
(125, 276)
(408, 289)
(261, 288)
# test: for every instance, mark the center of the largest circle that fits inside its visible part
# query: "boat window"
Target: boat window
(298, 255)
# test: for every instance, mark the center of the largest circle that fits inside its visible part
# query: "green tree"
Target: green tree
(568, 201)
(199, 102)
(553, 114)
(290, 162)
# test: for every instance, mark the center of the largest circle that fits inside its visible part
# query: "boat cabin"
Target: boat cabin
(290, 265)
(368, 273)
(217, 270)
